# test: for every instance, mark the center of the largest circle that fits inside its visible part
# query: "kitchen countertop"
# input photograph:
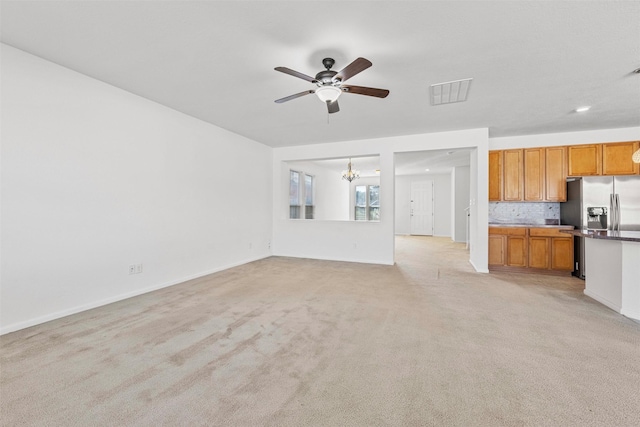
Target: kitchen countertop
(561, 227)
(627, 236)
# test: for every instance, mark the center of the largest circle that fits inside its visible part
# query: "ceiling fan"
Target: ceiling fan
(330, 83)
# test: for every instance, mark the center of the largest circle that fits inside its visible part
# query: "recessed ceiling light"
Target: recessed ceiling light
(583, 109)
(427, 170)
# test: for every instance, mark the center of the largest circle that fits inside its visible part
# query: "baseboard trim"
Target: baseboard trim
(602, 300)
(633, 315)
(358, 261)
(479, 270)
(84, 307)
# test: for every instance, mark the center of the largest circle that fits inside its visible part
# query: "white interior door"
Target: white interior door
(422, 208)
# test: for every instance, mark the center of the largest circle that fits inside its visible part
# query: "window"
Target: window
(367, 203)
(300, 195)
(294, 194)
(308, 197)
(374, 203)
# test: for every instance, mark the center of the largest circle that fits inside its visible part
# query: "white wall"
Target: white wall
(442, 214)
(366, 241)
(567, 138)
(459, 201)
(95, 178)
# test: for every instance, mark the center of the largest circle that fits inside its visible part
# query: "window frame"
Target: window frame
(301, 210)
(367, 206)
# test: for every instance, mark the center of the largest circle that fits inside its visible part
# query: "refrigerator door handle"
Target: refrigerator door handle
(612, 212)
(617, 196)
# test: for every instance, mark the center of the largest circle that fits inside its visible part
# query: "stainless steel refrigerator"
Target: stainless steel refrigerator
(619, 195)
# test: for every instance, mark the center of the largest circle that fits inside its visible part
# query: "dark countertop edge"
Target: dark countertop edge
(565, 227)
(627, 236)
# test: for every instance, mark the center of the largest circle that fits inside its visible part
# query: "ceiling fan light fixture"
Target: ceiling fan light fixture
(328, 93)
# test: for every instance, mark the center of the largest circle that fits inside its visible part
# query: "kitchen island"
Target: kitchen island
(612, 274)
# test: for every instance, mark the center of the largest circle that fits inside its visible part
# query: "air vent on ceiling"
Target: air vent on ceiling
(449, 92)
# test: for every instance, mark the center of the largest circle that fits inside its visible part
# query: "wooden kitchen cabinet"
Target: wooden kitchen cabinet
(534, 174)
(562, 253)
(497, 249)
(512, 175)
(529, 174)
(616, 158)
(539, 248)
(539, 252)
(507, 246)
(550, 249)
(555, 174)
(584, 160)
(517, 251)
(495, 176)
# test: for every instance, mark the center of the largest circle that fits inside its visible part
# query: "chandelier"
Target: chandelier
(350, 174)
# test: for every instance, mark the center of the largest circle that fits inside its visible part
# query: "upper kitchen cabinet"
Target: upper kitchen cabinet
(529, 174)
(512, 175)
(495, 176)
(616, 158)
(556, 174)
(534, 174)
(585, 160)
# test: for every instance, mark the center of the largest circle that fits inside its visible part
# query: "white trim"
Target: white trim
(64, 313)
(633, 315)
(602, 300)
(478, 269)
(322, 258)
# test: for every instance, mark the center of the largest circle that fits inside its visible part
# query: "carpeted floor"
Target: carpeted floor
(296, 342)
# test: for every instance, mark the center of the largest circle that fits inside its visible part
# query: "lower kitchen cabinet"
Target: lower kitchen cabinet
(562, 253)
(517, 251)
(508, 246)
(530, 248)
(539, 252)
(497, 248)
(549, 249)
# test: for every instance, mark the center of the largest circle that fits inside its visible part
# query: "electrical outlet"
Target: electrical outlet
(135, 268)
(269, 244)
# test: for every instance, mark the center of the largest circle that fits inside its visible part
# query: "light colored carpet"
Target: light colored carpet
(295, 342)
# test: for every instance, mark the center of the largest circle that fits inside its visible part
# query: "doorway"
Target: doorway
(421, 208)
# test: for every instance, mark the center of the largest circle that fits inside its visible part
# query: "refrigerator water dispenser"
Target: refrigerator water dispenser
(597, 218)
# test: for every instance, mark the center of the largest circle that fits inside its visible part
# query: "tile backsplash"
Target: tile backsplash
(524, 213)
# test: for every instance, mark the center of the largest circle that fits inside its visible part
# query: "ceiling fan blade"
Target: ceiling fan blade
(352, 69)
(369, 91)
(333, 107)
(290, 97)
(295, 74)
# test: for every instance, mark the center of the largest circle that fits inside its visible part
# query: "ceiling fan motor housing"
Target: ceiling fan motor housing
(325, 77)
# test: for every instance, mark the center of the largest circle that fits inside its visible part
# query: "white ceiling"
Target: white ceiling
(532, 62)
